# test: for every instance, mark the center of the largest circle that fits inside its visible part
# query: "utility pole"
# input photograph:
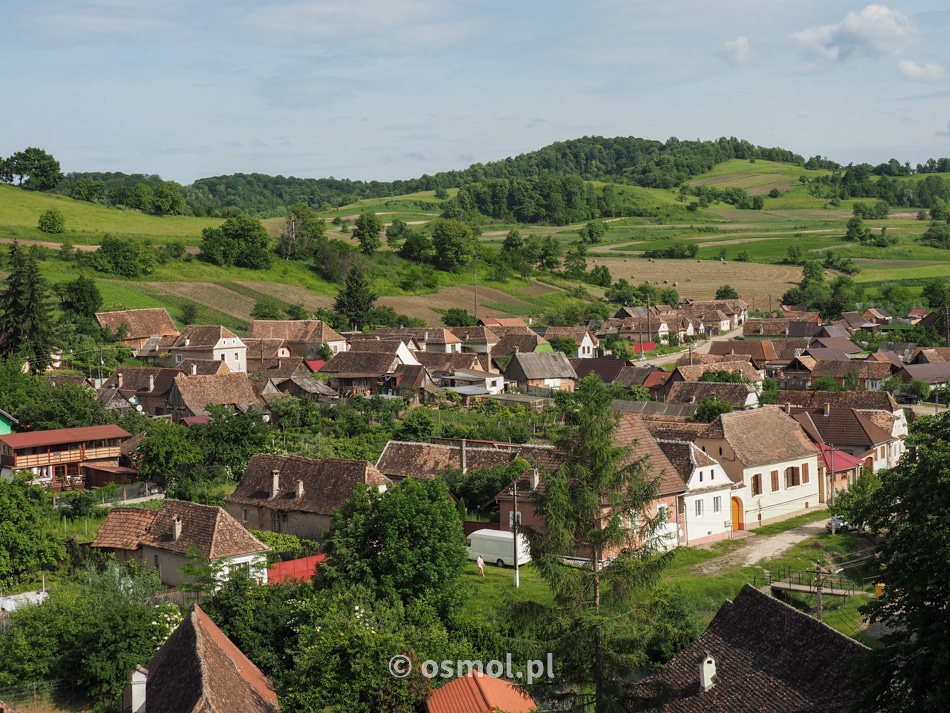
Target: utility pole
(514, 527)
(475, 285)
(818, 585)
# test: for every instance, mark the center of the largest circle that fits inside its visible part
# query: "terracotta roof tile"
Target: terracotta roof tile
(876, 400)
(202, 337)
(293, 330)
(197, 392)
(689, 392)
(124, 529)
(477, 693)
(139, 323)
(761, 436)
(360, 363)
(745, 369)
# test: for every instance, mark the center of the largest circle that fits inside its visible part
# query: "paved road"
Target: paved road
(701, 349)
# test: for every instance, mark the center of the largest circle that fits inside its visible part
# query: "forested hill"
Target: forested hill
(635, 161)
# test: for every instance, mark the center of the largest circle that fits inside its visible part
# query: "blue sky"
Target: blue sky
(387, 89)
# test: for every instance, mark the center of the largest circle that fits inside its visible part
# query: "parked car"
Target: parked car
(839, 524)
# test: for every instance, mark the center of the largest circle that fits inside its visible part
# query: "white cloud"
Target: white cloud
(924, 73)
(736, 51)
(875, 31)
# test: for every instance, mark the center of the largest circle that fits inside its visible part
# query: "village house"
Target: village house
(540, 370)
(298, 496)
(140, 330)
(165, 540)
(705, 505)
(261, 351)
(304, 338)
(198, 668)
(365, 373)
(61, 458)
(586, 342)
(480, 693)
(849, 430)
(480, 340)
(739, 396)
(145, 386)
(424, 461)
(191, 395)
(772, 460)
(211, 342)
(759, 352)
(745, 370)
(428, 340)
(757, 654)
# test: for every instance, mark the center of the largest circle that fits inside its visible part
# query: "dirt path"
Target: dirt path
(756, 548)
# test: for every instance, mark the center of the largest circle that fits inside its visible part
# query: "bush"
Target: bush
(52, 221)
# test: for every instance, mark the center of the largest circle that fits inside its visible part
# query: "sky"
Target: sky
(394, 89)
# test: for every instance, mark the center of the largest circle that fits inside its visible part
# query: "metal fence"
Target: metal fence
(31, 695)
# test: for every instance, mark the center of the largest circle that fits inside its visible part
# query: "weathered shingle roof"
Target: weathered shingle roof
(140, 378)
(475, 335)
(221, 389)
(422, 336)
(327, 483)
(841, 427)
(745, 369)
(768, 657)
(524, 342)
(203, 367)
(607, 370)
(876, 400)
(759, 351)
(424, 461)
(576, 333)
(361, 364)
(541, 365)
(293, 330)
(139, 323)
(448, 361)
(686, 457)
(199, 670)
(632, 433)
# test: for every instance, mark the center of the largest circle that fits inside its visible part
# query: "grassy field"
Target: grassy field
(227, 296)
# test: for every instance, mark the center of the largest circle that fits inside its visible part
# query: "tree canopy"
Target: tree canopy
(356, 299)
(240, 241)
(31, 168)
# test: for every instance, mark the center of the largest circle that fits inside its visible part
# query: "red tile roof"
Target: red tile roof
(139, 323)
(477, 693)
(60, 436)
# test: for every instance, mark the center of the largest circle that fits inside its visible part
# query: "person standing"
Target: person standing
(481, 566)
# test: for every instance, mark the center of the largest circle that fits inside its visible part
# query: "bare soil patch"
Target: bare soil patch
(757, 548)
(210, 294)
(291, 294)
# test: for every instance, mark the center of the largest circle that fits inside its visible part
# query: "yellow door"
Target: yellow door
(737, 523)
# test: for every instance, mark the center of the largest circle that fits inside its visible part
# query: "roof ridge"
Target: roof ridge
(199, 649)
(481, 691)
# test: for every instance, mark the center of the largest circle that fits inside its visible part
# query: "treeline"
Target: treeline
(635, 161)
(137, 191)
(884, 184)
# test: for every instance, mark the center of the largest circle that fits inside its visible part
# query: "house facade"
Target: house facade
(59, 457)
(211, 342)
(769, 457)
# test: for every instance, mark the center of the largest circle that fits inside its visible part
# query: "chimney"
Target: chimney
(136, 690)
(275, 483)
(151, 382)
(464, 467)
(194, 369)
(517, 349)
(176, 528)
(707, 672)
(827, 410)
(299, 489)
(187, 341)
(533, 479)
(788, 407)
(118, 377)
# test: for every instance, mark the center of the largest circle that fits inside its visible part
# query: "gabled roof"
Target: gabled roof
(930, 355)
(686, 458)
(842, 343)
(654, 408)
(139, 323)
(59, 436)
(205, 527)
(221, 389)
(686, 358)
(840, 460)
(293, 330)
(765, 327)
(672, 428)
(876, 400)
(477, 693)
(833, 331)
(863, 369)
(761, 436)
(199, 670)
(140, 378)
(790, 348)
(768, 657)
(203, 367)
(803, 329)
(379, 345)
(124, 529)
(760, 350)
(693, 392)
(447, 361)
(282, 368)
(511, 322)
(840, 427)
(199, 338)
(745, 369)
(607, 370)
(541, 365)
(934, 373)
(476, 335)
(422, 336)
(327, 483)
(576, 333)
(826, 354)
(632, 433)
(524, 342)
(358, 364)
(424, 461)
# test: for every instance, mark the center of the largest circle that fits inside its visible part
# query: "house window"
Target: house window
(275, 522)
(178, 358)
(717, 504)
(757, 484)
(699, 508)
(700, 476)
(792, 477)
(236, 357)
(774, 481)
(223, 357)
(804, 472)
(155, 561)
(244, 515)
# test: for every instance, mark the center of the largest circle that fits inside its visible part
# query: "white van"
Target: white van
(497, 546)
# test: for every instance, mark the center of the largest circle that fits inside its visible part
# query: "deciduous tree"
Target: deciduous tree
(32, 168)
(366, 231)
(28, 539)
(52, 220)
